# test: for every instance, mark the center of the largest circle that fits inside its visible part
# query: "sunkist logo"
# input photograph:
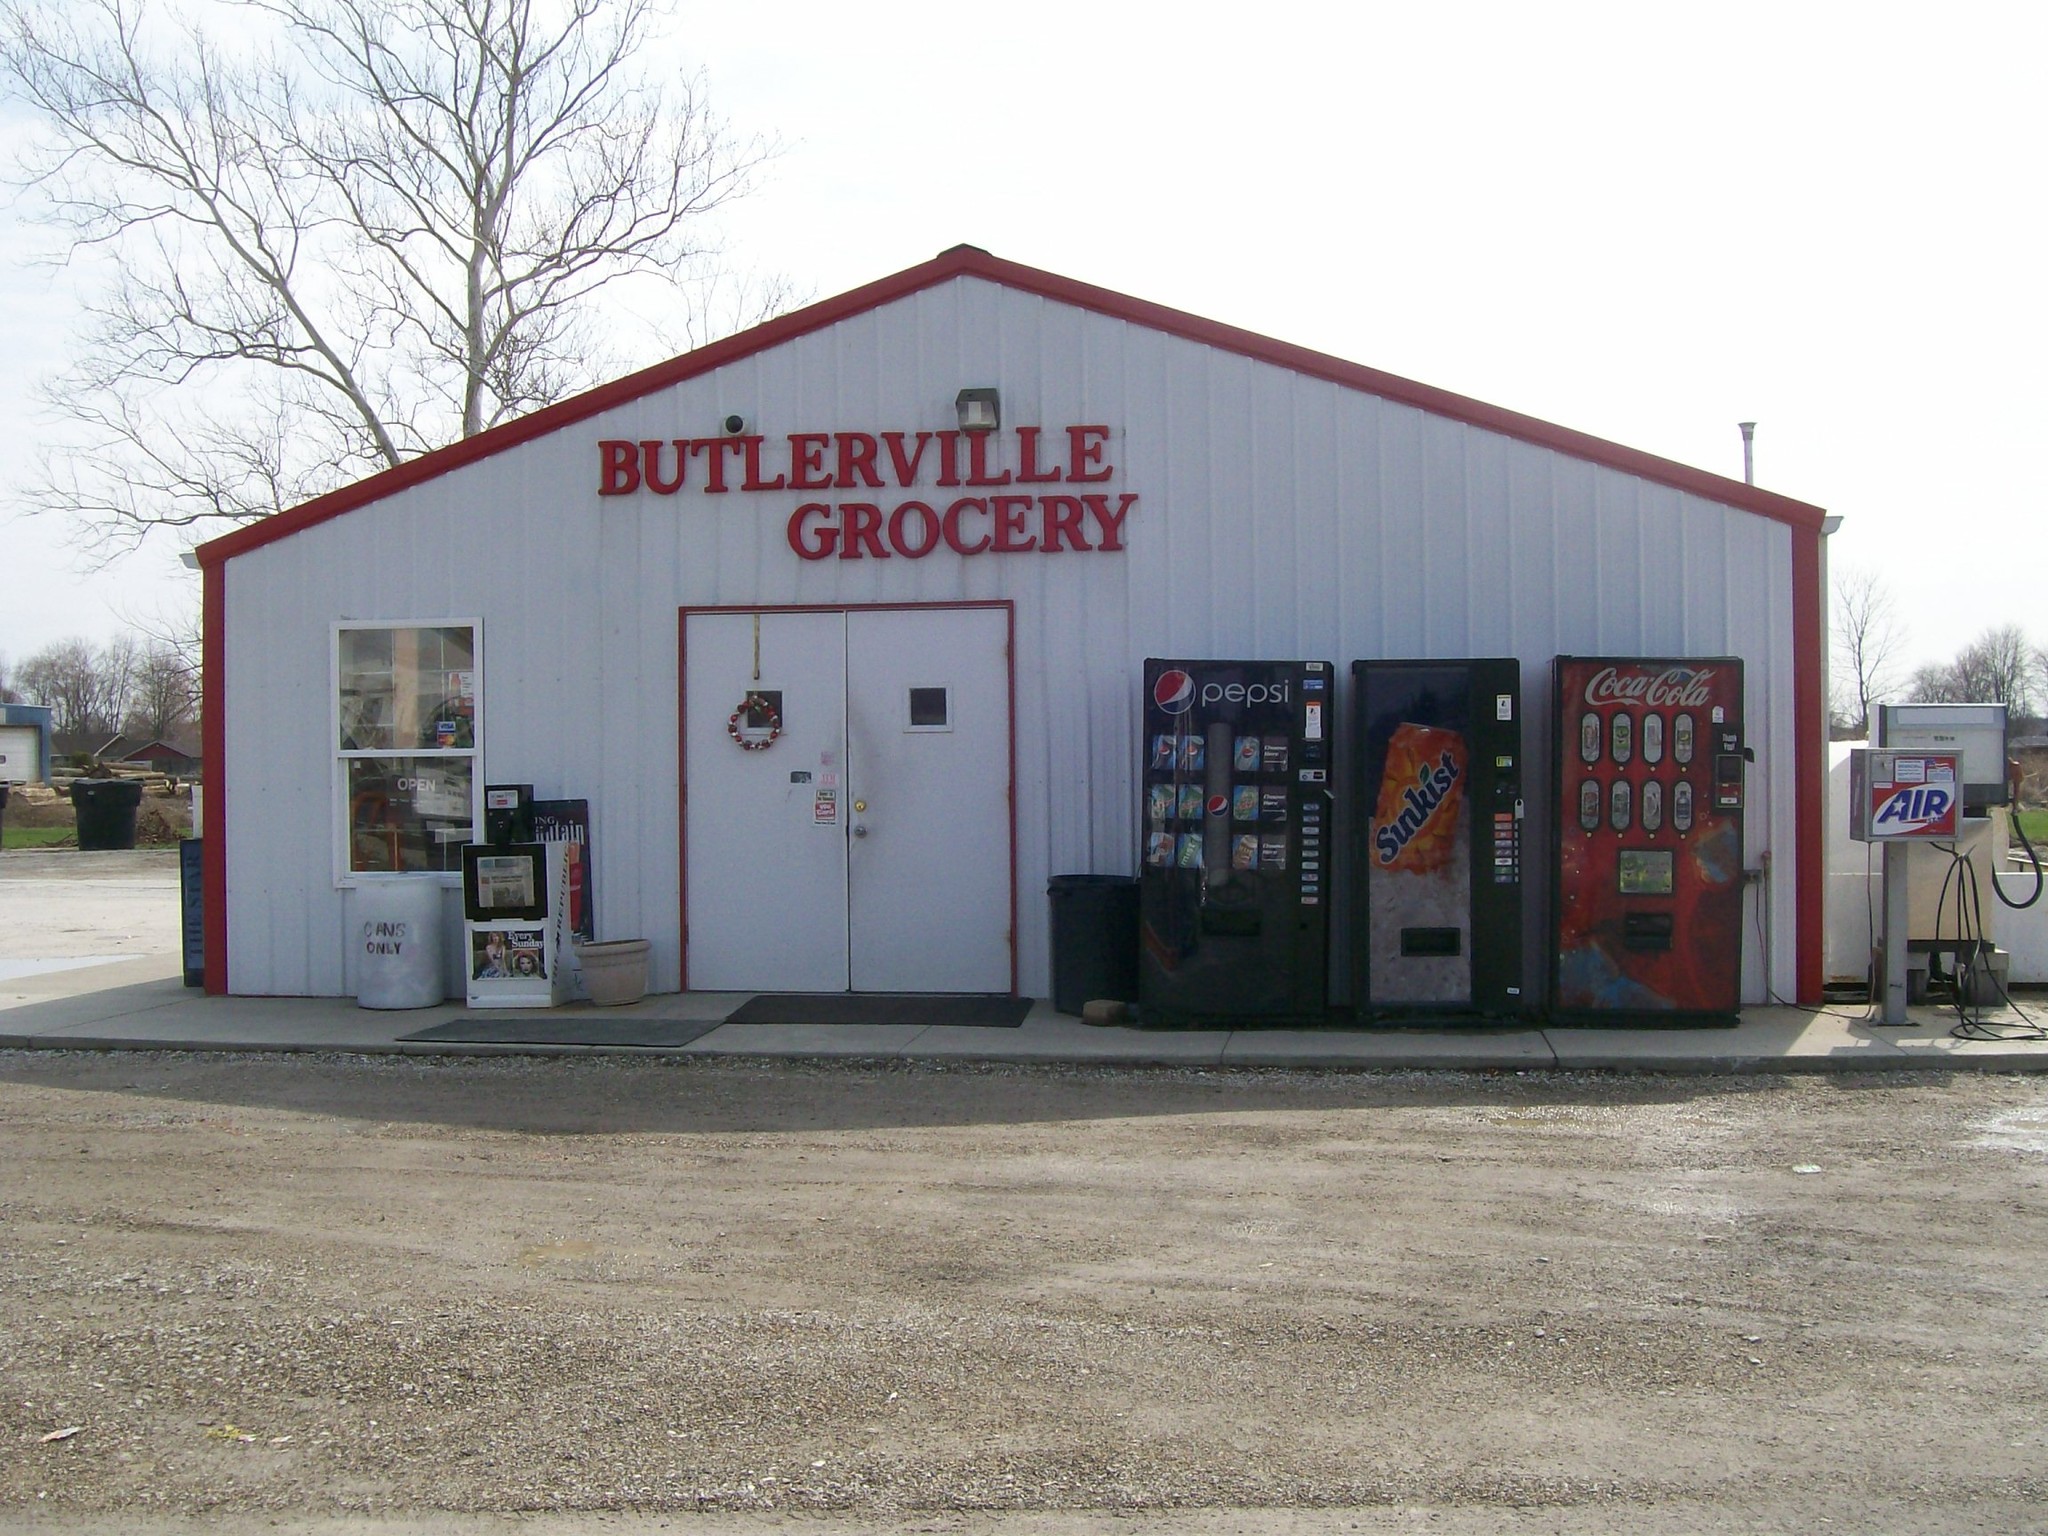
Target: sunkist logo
(1419, 802)
(1174, 693)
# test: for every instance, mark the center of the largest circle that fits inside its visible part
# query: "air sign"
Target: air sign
(1905, 797)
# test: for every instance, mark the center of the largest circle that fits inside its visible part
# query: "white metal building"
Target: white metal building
(608, 599)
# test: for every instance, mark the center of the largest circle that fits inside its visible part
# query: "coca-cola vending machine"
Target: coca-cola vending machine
(1436, 813)
(1646, 892)
(1234, 868)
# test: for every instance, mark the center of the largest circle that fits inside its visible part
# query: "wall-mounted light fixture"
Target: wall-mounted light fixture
(980, 410)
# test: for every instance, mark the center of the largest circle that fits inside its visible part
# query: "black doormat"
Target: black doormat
(539, 1028)
(979, 1010)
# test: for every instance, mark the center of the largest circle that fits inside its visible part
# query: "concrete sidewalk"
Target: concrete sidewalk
(140, 1003)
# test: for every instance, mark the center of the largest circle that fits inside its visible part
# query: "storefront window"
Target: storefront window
(407, 690)
(406, 734)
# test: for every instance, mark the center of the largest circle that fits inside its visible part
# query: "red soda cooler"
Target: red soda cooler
(1646, 880)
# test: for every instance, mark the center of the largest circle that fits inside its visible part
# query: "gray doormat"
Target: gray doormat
(978, 1010)
(539, 1028)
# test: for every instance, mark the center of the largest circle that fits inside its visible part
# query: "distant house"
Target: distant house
(160, 754)
(75, 747)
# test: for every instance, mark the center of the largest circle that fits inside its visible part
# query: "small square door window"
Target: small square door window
(930, 709)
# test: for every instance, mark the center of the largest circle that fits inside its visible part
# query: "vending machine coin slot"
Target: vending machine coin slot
(1421, 942)
(1236, 922)
(1728, 779)
(1646, 930)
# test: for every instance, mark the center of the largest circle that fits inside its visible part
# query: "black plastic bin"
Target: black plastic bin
(106, 812)
(1094, 939)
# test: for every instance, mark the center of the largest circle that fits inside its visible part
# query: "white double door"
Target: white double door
(868, 847)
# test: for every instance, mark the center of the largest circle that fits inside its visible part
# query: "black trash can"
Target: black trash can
(106, 812)
(1094, 940)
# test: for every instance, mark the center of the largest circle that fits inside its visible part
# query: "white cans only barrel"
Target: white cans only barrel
(397, 937)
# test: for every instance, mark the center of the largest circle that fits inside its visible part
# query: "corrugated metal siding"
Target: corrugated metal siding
(1278, 515)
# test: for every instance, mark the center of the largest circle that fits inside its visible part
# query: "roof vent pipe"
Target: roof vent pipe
(1748, 451)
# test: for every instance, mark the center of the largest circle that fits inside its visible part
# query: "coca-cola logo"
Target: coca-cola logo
(1672, 688)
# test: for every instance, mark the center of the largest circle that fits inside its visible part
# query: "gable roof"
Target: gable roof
(135, 749)
(971, 261)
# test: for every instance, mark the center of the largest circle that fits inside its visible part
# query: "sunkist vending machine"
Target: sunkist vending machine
(1235, 863)
(1436, 818)
(1646, 892)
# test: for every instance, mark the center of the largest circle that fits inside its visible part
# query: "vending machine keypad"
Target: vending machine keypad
(1311, 851)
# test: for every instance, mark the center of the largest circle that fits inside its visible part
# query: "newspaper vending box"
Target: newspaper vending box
(515, 906)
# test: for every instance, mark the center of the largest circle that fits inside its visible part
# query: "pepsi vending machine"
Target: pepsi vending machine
(1646, 893)
(1234, 872)
(1436, 897)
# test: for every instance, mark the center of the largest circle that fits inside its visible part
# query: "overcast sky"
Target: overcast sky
(1643, 222)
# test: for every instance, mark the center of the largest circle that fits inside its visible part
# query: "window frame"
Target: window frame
(910, 727)
(339, 757)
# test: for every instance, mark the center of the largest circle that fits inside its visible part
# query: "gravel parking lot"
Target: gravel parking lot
(385, 1294)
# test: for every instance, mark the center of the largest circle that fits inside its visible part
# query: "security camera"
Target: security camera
(735, 425)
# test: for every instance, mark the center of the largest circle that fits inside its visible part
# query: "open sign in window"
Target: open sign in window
(408, 814)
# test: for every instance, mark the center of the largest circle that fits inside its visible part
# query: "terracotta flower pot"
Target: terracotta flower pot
(614, 971)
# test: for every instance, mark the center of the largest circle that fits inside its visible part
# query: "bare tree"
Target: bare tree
(1867, 642)
(1999, 667)
(7, 693)
(172, 638)
(382, 226)
(161, 698)
(86, 686)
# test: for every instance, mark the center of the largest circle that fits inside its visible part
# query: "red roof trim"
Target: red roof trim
(969, 261)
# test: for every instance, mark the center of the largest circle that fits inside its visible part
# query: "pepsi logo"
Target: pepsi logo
(1174, 693)
(1219, 805)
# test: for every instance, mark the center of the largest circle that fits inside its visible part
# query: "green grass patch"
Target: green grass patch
(35, 837)
(2035, 825)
